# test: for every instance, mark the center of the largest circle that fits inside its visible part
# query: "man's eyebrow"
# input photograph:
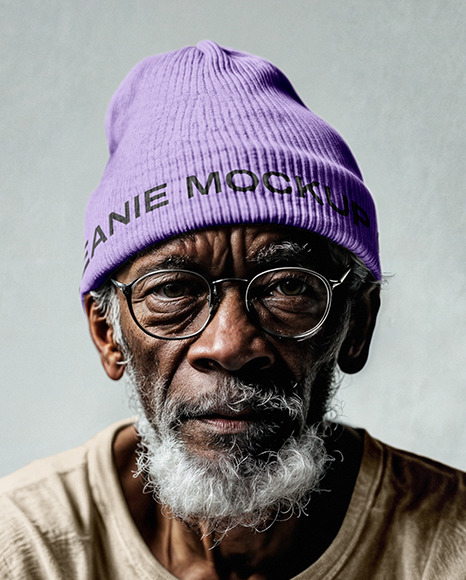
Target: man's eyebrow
(274, 254)
(284, 252)
(167, 263)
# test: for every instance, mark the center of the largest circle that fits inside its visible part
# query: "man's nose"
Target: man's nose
(231, 341)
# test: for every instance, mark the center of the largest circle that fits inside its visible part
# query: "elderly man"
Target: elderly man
(231, 266)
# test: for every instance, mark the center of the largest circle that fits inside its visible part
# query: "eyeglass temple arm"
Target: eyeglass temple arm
(335, 283)
(125, 288)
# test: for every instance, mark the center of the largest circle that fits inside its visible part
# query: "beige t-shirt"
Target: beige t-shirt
(65, 517)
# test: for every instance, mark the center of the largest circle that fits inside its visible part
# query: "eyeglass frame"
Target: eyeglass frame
(214, 299)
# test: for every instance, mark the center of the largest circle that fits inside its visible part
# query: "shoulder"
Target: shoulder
(421, 506)
(48, 510)
(41, 491)
(414, 476)
(48, 483)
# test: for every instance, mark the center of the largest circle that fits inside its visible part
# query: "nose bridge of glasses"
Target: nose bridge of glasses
(229, 280)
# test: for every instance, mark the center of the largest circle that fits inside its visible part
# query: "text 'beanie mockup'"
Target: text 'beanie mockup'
(207, 136)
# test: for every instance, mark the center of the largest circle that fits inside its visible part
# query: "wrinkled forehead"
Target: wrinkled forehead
(232, 250)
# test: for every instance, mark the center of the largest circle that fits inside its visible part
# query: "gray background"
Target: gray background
(390, 76)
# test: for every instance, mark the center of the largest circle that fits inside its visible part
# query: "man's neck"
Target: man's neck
(283, 550)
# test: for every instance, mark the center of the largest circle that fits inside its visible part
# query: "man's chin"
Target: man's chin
(221, 485)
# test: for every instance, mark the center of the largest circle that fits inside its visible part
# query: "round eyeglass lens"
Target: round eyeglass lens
(289, 302)
(171, 304)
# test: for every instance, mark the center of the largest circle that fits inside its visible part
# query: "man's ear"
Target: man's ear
(355, 348)
(102, 336)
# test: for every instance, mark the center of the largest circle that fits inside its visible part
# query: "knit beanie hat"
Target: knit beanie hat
(209, 136)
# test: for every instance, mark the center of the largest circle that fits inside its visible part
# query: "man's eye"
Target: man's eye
(292, 287)
(172, 290)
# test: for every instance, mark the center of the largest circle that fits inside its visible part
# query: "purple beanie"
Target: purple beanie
(208, 136)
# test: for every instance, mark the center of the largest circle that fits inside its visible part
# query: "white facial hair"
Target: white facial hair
(240, 486)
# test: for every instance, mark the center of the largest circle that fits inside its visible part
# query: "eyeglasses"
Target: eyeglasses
(177, 304)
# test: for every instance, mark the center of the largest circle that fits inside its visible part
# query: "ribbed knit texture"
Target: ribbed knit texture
(207, 136)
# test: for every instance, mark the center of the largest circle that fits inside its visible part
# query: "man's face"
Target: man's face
(231, 345)
(232, 393)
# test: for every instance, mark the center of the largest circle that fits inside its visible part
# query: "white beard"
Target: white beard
(246, 484)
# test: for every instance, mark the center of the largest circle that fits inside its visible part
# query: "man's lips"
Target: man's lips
(226, 420)
(226, 424)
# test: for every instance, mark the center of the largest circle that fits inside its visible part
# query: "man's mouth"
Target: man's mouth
(234, 428)
(226, 420)
(228, 424)
(252, 418)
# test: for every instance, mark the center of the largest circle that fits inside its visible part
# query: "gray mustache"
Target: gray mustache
(234, 397)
